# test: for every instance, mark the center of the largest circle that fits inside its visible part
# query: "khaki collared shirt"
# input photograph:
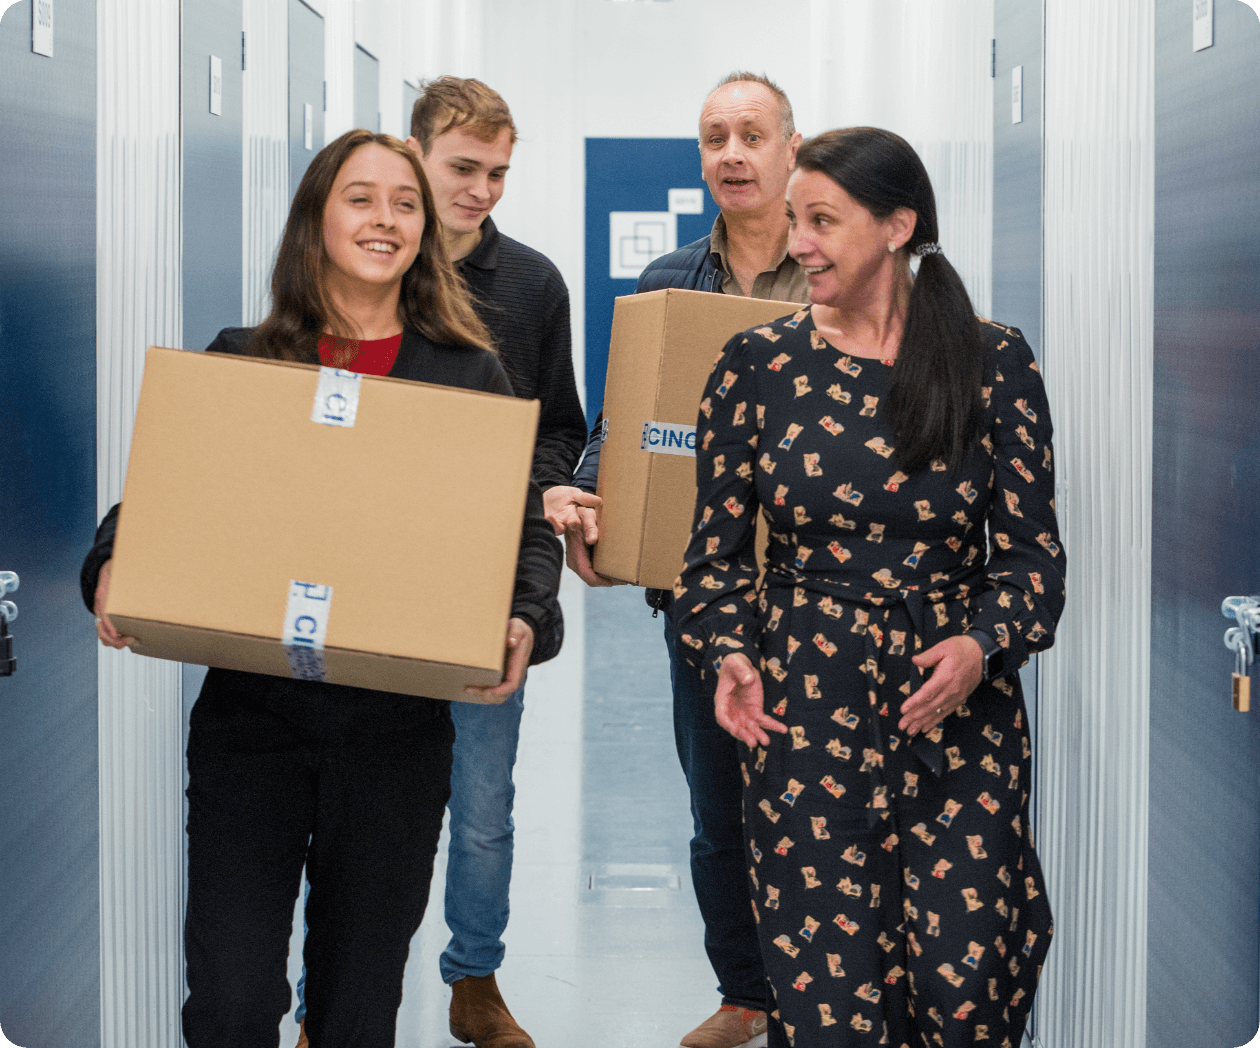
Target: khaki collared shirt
(785, 282)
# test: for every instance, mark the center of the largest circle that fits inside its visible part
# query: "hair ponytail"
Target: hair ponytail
(935, 406)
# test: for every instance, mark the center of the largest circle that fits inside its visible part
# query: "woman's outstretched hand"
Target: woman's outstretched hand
(738, 703)
(520, 645)
(957, 664)
(105, 631)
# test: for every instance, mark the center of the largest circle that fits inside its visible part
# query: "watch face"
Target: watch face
(993, 664)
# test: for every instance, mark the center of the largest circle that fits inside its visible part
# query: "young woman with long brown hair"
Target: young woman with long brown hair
(350, 783)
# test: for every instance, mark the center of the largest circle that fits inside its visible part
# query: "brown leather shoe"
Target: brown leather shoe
(729, 1027)
(302, 1041)
(479, 1016)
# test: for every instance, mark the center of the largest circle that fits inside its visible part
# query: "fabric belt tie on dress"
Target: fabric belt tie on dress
(912, 598)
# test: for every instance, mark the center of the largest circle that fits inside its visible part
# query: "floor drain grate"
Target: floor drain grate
(633, 882)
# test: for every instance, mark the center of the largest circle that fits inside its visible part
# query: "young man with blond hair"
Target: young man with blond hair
(464, 134)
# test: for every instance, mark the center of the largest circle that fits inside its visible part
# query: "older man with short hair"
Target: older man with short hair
(748, 144)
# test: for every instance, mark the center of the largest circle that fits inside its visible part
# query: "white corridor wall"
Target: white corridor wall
(139, 303)
(1093, 752)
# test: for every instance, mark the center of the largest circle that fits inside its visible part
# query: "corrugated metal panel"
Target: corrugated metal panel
(948, 86)
(265, 179)
(138, 303)
(921, 68)
(1093, 763)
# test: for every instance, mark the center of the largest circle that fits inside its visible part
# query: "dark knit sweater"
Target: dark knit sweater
(521, 297)
(540, 560)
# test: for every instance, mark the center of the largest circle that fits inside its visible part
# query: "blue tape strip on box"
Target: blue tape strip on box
(336, 397)
(667, 438)
(305, 627)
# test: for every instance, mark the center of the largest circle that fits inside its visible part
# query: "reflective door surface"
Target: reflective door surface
(49, 898)
(1204, 757)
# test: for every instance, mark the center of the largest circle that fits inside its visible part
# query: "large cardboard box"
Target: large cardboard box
(292, 520)
(663, 347)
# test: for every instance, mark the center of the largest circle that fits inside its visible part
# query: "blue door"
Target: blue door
(367, 90)
(49, 910)
(1204, 757)
(212, 168)
(306, 89)
(212, 46)
(644, 197)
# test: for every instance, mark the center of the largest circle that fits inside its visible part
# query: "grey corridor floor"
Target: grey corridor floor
(600, 800)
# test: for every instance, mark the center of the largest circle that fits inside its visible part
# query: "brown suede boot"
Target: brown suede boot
(479, 1016)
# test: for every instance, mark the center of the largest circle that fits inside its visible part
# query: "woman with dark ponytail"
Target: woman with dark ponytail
(873, 676)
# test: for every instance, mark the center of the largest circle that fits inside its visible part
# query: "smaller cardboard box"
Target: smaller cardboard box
(663, 347)
(297, 521)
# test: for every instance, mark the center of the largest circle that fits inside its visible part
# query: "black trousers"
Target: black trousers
(352, 783)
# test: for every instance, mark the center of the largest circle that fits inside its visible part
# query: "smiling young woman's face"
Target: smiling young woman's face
(373, 220)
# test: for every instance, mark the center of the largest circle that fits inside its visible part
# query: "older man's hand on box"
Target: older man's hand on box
(520, 645)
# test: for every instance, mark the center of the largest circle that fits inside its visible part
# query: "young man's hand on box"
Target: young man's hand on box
(572, 509)
(520, 645)
(104, 628)
(572, 513)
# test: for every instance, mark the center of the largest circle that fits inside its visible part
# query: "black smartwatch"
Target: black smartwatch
(994, 654)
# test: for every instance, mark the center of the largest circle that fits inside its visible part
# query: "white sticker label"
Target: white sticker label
(308, 126)
(336, 397)
(686, 201)
(216, 85)
(1202, 14)
(41, 27)
(666, 438)
(1017, 95)
(305, 627)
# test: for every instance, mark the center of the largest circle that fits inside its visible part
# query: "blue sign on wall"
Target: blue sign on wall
(644, 197)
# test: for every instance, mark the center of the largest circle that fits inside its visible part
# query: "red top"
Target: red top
(367, 357)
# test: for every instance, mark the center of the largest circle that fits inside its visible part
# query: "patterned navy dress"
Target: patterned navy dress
(898, 896)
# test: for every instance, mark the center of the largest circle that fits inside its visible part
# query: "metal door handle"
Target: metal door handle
(8, 612)
(1241, 639)
(1245, 611)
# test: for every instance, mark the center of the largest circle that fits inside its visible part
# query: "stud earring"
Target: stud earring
(892, 246)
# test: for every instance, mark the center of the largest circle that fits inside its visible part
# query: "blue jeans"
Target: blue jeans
(710, 760)
(479, 860)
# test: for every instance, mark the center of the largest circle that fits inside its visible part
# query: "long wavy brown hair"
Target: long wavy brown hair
(434, 299)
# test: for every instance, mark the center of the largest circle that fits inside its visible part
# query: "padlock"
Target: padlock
(1242, 693)
(8, 664)
(1240, 640)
